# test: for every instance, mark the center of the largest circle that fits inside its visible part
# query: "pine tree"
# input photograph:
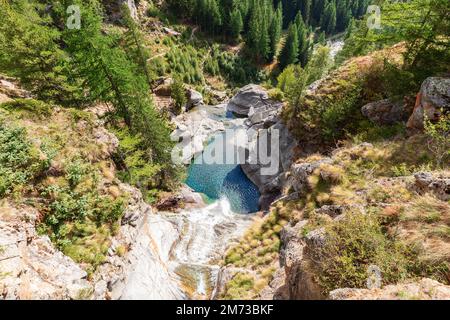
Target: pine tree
(303, 44)
(133, 44)
(289, 54)
(264, 37)
(305, 8)
(215, 17)
(237, 24)
(110, 76)
(276, 29)
(328, 20)
(318, 9)
(29, 50)
(342, 16)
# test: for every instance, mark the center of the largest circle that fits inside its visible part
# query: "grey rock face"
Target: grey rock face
(298, 179)
(30, 266)
(331, 210)
(439, 186)
(299, 278)
(385, 112)
(264, 126)
(270, 184)
(195, 99)
(250, 96)
(433, 97)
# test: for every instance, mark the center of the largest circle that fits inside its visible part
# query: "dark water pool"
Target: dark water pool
(224, 180)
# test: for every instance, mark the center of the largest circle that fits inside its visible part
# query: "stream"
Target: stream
(195, 240)
(207, 232)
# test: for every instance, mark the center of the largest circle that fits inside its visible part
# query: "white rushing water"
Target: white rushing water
(205, 234)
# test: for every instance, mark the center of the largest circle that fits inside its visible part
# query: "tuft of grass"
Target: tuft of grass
(28, 107)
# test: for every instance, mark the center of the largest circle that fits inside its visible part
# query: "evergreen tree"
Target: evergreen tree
(264, 37)
(303, 44)
(29, 50)
(318, 8)
(237, 24)
(289, 54)
(319, 64)
(342, 15)
(305, 8)
(216, 18)
(110, 76)
(276, 29)
(328, 20)
(133, 44)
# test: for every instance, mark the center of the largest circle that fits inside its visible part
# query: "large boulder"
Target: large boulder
(10, 89)
(194, 99)
(433, 97)
(300, 282)
(385, 112)
(439, 185)
(269, 185)
(114, 9)
(250, 96)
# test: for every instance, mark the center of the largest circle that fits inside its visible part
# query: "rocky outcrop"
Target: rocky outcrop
(10, 89)
(264, 126)
(30, 266)
(248, 97)
(114, 8)
(425, 289)
(163, 87)
(299, 173)
(270, 185)
(185, 198)
(427, 182)
(434, 96)
(193, 130)
(385, 112)
(300, 281)
(194, 99)
(148, 276)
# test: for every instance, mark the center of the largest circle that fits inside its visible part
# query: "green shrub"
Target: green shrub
(337, 114)
(78, 219)
(135, 164)
(29, 106)
(439, 138)
(352, 245)
(19, 160)
(178, 94)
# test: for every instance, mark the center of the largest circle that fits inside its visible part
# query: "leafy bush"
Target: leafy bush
(135, 165)
(178, 94)
(439, 138)
(19, 160)
(352, 245)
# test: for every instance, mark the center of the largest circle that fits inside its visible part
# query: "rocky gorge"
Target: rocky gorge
(167, 247)
(347, 198)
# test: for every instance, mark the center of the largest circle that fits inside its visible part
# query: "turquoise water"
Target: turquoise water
(224, 180)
